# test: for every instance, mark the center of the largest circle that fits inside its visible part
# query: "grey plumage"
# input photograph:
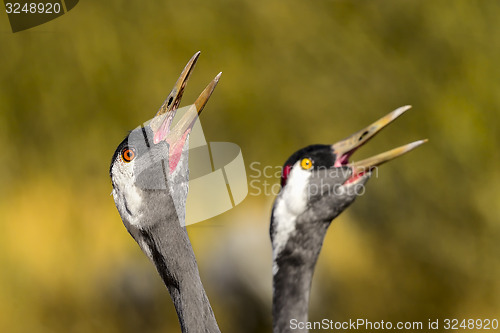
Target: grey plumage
(318, 183)
(149, 173)
(294, 262)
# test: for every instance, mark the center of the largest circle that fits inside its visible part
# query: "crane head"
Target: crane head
(154, 156)
(318, 182)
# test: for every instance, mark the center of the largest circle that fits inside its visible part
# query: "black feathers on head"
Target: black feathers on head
(322, 156)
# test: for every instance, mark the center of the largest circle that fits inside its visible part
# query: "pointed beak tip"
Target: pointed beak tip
(419, 142)
(196, 56)
(399, 111)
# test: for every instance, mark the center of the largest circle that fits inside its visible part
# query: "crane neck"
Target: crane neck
(166, 243)
(175, 261)
(292, 276)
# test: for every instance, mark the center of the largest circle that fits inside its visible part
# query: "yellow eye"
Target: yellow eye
(306, 163)
(128, 154)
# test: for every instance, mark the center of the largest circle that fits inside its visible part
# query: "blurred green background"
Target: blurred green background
(422, 243)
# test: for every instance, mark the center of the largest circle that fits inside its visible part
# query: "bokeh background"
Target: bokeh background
(422, 243)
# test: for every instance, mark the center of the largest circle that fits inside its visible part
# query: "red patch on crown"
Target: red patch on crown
(284, 174)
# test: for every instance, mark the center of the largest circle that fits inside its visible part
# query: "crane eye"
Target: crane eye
(306, 163)
(128, 154)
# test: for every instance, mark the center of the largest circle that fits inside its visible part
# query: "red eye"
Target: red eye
(128, 154)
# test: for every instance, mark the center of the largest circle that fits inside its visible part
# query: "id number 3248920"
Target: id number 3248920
(32, 8)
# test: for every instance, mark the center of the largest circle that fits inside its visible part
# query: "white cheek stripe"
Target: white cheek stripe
(291, 202)
(124, 194)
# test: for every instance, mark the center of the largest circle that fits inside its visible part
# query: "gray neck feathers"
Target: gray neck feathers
(292, 281)
(176, 264)
(166, 242)
(164, 239)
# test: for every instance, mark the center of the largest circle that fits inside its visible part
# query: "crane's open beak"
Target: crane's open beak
(163, 119)
(176, 138)
(345, 148)
(161, 124)
(185, 124)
